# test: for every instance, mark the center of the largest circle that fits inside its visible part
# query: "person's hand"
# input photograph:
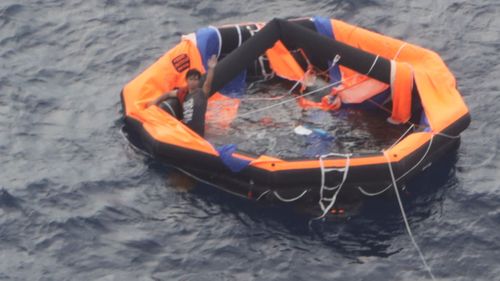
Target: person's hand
(212, 62)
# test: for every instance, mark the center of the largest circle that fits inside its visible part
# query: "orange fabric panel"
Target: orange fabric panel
(325, 104)
(397, 153)
(444, 107)
(356, 87)
(221, 111)
(441, 100)
(166, 128)
(307, 104)
(162, 76)
(361, 91)
(408, 145)
(283, 63)
(165, 74)
(366, 40)
(274, 164)
(351, 77)
(402, 85)
(244, 157)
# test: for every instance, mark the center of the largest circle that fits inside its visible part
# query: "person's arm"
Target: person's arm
(171, 94)
(207, 86)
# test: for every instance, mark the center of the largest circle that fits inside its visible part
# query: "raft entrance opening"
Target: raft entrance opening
(289, 131)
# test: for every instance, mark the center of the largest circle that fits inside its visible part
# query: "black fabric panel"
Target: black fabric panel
(136, 134)
(304, 22)
(318, 61)
(416, 105)
(242, 57)
(300, 59)
(173, 107)
(459, 126)
(317, 47)
(245, 32)
(229, 38)
(321, 48)
(124, 107)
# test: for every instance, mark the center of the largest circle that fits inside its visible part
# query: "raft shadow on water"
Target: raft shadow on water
(368, 227)
(371, 230)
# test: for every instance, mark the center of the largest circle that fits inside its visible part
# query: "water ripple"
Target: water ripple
(76, 203)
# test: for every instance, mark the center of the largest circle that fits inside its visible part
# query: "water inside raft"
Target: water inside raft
(288, 131)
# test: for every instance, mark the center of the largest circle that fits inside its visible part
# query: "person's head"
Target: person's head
(193, 77)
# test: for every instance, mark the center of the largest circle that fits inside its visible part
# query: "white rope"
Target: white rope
(263, 99)
(399, 50)
(323, 184)
(448, 136)
(334, 62)
(265, 74)
(207, 182)
(402, 136)
(286, 200)
(364, 192)
(291, 199)
(373, 65)
(263, 194)
(218, 186)
(256, 82)
(411, 169)
(186, 172)
(289, 100)
(275, 98)
(406, 219)
(403, 175)
(239, 34)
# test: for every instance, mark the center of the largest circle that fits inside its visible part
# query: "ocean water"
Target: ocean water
(78, 203)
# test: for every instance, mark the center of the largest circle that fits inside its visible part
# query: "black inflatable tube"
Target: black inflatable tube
(317, 47)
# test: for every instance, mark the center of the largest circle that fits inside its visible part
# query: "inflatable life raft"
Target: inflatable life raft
(360, 63)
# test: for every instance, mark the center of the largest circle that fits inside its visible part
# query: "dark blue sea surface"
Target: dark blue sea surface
(78, 203)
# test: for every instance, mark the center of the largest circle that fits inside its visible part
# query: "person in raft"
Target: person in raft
(192, 98)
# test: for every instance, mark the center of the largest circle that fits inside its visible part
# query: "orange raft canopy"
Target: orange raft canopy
(360, 64)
